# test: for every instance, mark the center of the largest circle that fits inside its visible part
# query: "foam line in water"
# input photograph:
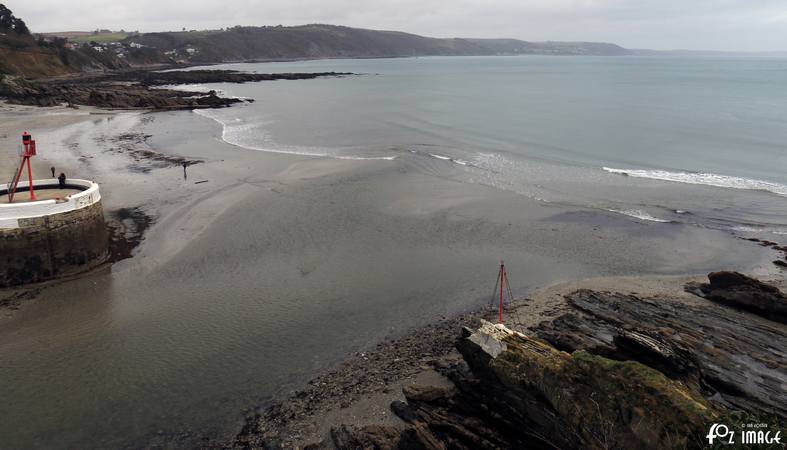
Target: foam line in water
(461, 162)
(366, 158)
(707, 179)
(234, 139)
(639, 214)
(755, 229)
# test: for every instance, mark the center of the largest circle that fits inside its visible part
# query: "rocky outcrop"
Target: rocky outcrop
(105, 94)
(739, 291)
(157, 78)
(136, 89)
(517, 391)
(738, 359)
(618, 371)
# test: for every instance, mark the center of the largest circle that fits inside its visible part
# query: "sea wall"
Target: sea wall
(44, 240)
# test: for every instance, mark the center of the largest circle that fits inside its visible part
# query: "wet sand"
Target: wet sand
(16, 119)
(260, 270)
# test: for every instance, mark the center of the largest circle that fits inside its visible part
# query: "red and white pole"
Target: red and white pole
(502, 280)
(29, 150)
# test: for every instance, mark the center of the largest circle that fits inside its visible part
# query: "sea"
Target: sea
(697, 140)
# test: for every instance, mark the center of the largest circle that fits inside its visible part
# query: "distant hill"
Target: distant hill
(82, 37)
(331, 41)
(52, 54)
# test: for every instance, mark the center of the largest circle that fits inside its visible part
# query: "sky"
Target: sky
(733, 25)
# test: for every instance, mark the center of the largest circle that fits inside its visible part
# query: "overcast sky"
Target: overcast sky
(741, 25)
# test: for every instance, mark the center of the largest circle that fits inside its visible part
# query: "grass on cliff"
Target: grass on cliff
(101, 37)
(614, 404)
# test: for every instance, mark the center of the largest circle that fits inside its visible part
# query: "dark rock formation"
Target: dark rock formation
(739, 291)
(519, 392)
(135, 89)
(738, 359)
(621, 372)
(105, 94)
(157, 78)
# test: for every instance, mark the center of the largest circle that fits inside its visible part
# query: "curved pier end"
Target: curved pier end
(57, 237)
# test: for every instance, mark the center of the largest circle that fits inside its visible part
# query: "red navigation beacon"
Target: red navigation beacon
(27, 151)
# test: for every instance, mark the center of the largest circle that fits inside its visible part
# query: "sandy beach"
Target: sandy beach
(260, 270)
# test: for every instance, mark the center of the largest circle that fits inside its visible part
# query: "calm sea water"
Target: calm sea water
(557, 129)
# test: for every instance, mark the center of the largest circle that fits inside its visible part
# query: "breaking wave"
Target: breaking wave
(707, 179)
(236, 132)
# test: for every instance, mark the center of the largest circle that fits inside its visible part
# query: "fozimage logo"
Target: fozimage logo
(751, 434)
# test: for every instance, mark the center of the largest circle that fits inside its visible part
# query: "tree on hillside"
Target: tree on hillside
(10, 23)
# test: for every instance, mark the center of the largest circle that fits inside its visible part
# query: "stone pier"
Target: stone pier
(53, 238)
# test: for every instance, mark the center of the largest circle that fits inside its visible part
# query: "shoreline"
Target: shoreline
(187, 214)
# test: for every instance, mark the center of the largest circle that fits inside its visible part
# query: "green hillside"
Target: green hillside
(330, 41)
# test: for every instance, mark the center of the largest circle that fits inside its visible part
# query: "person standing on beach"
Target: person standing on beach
(62, 180)
(53, 171)
(185, 164)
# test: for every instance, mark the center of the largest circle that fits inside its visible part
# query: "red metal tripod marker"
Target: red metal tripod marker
(499, 293)
(28, 151)
(502, 280)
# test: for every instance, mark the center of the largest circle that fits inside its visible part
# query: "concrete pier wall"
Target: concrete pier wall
(44, 240)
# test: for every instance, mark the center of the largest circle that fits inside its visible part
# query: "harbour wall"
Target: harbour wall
(50, 239)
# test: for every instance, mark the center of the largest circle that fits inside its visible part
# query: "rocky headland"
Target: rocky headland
(136, 89)
(605, 370)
